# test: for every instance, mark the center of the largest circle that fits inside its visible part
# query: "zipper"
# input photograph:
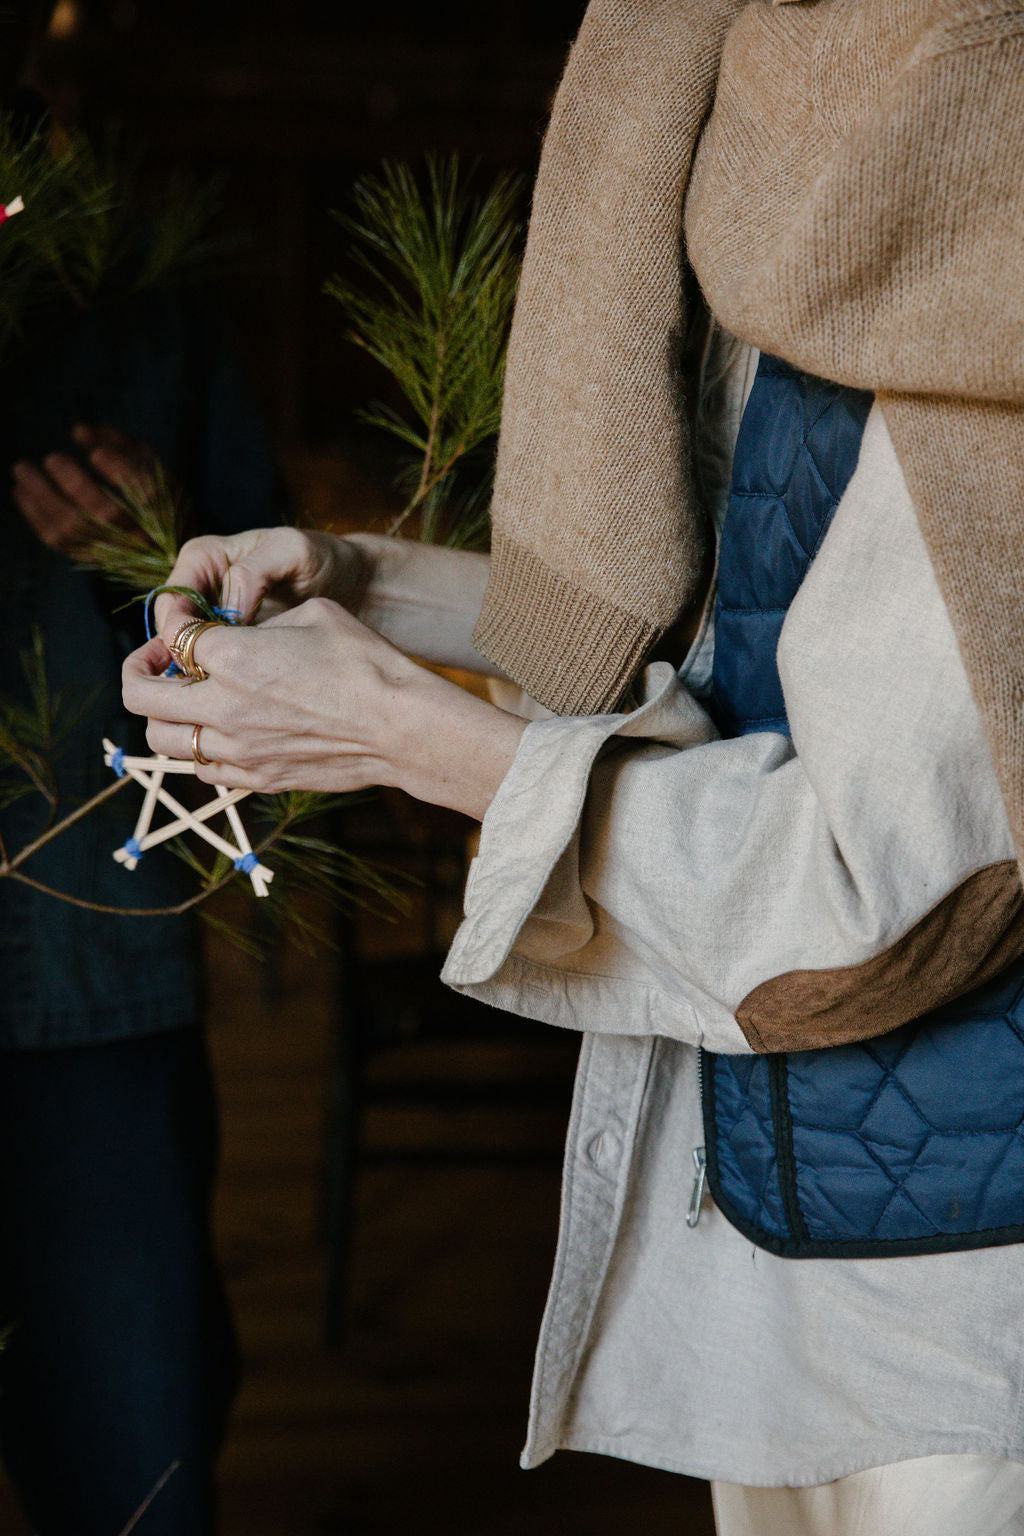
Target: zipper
(700, 1176)
(700, 1155)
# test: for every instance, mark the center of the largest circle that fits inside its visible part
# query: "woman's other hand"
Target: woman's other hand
(424, 598)
(261, 573)
(313, 699)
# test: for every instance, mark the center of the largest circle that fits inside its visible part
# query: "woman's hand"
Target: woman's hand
(312, 699)
(424, 598)
(266, 569)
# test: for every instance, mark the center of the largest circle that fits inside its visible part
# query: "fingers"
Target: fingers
(147, 691)
(82, 489)
(61, 503)
(271, 559)
(202, 566)
(150, 660)
(171, 611)
(176, 741)
(172, 740)
(61, 499)
(124, 472)
(125, 463)
(239, 572)
(307, 615)
(49, 514)
(90, 435)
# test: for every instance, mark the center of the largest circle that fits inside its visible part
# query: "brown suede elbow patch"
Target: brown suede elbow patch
(971, 935)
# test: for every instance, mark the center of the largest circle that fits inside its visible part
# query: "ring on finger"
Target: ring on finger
(177, 645)
(183, 645)
(197, 754)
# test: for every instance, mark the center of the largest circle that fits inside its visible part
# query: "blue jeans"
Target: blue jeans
(121, 1359)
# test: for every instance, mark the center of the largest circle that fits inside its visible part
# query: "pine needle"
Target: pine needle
(33, 728)
(438, 268)
(94, 228)
(138, 553)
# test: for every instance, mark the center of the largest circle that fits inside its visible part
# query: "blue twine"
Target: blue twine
(247, 862)
(173, 670)
(133, 848)
(117, 762)
(229, 615)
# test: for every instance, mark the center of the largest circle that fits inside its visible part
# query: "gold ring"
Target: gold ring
(183, 645)
(176, 643)
(196, 752)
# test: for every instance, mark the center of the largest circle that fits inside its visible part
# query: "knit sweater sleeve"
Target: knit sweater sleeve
(639, 875)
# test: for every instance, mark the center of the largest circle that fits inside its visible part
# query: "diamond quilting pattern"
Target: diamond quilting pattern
(796, 450)
(932, 1113)
(912, 1136)
(746, 1150)
(917, 1135)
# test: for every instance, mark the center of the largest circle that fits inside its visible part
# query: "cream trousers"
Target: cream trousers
(932, 1496)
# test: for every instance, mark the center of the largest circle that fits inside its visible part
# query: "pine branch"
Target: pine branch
(93, 228)
(11, 864)
(139, 553)
(30, 734)
(432, 303)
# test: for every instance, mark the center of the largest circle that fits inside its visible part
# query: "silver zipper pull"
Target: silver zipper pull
(700, 1175)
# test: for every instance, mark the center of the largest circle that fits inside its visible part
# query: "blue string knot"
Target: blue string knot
(133, 848)
(117, 762)
(247, 862)
(230, 615)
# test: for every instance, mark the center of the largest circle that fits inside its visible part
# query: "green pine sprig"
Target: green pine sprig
(95, 227)
(437, 267)
(32, 730)
(138, 552)
(314, 875)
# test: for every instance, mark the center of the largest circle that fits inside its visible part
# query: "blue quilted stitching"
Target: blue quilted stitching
(751, 593)
(968, 1166)
(898, 1189)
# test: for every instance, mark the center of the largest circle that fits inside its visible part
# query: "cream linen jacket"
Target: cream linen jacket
(638, 879)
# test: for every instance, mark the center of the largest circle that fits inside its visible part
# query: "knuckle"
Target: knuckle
(230, 720)
(319, 609)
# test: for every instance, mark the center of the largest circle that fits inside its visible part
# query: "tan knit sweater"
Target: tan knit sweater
(854, 203)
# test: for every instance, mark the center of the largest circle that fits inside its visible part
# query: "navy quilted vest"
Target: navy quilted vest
(912, 1142)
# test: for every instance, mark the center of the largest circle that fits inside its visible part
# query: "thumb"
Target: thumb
(246, 583)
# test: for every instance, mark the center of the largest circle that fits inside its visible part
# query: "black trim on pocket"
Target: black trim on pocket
(782, 1128)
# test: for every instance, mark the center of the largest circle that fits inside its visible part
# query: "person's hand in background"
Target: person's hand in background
(63, 499)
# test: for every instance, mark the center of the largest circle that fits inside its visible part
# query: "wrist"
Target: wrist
(345, 569)
(448, 746)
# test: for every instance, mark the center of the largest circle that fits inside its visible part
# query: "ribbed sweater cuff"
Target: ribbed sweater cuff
(571, 651)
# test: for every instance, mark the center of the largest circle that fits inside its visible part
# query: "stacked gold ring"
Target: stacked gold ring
(184, 643)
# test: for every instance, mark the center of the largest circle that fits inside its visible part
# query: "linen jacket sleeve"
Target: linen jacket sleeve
(639, 875)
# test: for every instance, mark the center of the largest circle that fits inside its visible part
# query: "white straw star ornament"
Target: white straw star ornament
(149, 772)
